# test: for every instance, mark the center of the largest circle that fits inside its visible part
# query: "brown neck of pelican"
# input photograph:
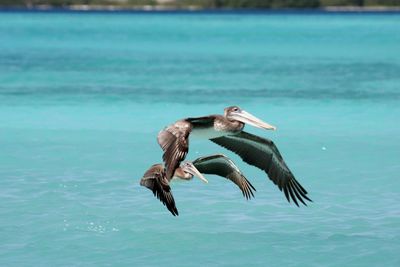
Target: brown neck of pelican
(179, 173)
(235, 126)
(227, 125)
(232, 125)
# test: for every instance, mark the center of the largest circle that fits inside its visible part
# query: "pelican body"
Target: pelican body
(213, 126)
(174, 139)
(227, 131)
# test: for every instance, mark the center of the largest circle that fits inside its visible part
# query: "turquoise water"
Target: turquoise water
(83, 96)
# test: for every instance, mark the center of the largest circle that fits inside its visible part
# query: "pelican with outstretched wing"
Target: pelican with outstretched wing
(156, 180)
(227, 131)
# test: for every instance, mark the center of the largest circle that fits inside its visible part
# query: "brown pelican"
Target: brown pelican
(226, 131)
(156, 180)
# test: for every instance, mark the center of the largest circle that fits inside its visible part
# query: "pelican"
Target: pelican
(227, 131)
(156, 180)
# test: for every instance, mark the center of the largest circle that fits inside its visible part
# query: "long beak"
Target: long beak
(246, 117)
(195, 172)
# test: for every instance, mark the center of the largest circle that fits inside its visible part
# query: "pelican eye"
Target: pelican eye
(235, 109)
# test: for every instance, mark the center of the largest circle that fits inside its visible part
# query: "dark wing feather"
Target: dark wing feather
(155, 180)
(175, 144)
(202, 122)
(263, 154)
(224, 167)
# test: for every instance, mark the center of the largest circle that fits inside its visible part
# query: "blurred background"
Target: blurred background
(205, 3)
(84, 94)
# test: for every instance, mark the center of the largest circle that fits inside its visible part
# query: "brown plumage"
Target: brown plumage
(155, 180)
(175, 143)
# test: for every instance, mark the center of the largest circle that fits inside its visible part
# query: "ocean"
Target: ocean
(83, 96)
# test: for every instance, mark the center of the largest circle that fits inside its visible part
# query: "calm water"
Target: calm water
(82, 97)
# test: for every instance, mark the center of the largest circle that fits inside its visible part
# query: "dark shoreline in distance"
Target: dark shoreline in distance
(163, 9)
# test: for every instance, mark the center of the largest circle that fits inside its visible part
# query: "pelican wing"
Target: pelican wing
(155, 180)
(175, 144)
(262, 153)
(224, 167)
(202, 122)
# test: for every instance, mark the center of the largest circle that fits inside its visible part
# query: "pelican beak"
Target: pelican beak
(195, 172)
(247, 118)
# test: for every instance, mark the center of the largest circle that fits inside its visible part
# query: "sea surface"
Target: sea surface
(83, 96)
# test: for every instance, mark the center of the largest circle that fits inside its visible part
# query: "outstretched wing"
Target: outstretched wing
(262, 153)
(175, 144)
(155, 180)
(223, 166)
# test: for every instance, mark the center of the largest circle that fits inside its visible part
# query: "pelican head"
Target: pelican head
(234, 113)
(189, 169)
